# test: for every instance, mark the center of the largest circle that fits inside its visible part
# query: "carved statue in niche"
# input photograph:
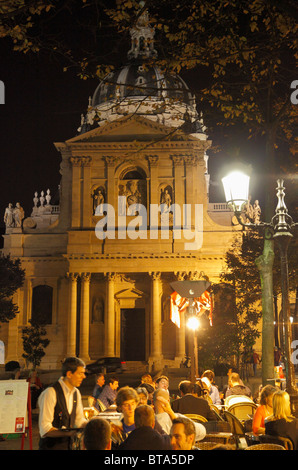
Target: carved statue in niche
(98, 310)
(166, 197)
(135, 193)
(166, 200)
(99, 199)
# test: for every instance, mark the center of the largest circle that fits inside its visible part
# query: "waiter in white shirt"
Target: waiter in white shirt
(61, 408)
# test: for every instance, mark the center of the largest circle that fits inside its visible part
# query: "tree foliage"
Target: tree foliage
(11, 278)
(34, 343)
(236, 326)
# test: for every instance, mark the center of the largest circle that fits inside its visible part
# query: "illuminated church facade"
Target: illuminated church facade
(133, 217)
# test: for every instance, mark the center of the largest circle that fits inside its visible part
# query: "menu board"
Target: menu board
(13, 406)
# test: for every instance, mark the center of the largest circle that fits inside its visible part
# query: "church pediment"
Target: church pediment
(129, 128)
(132, 294)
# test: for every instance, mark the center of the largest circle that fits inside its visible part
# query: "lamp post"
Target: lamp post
(281, 228)
(193, 324)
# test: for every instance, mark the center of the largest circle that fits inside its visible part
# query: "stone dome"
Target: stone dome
(136, 80)
(141, 88)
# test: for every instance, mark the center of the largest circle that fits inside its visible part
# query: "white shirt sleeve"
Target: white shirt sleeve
(47, 402)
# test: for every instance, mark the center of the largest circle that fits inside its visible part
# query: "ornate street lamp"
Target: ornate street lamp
(281, 228)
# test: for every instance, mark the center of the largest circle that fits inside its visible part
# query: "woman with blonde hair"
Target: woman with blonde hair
(281, 422)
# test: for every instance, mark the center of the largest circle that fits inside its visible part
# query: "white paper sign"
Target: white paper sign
(13, 406)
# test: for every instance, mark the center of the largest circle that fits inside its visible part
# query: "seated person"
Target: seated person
(281, 422)
(164, 415)
(109, 393)
(143, 396)
(236, 388)
(150, 391)
(213, 390)
(162, 382)
(183, 434)
(191, 404)
(264, 410)
(127, 400)
(144, 436)
(98, 388)
(97, 435)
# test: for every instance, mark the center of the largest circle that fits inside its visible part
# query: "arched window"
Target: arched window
(133, 185)
(42, 302)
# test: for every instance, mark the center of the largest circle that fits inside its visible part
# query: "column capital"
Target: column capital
(72, 276)
(110, 160)
(178, 160)
(196, 276)
(75, 161)
(85, 277)
(86, 161)
(190, 160)
(153, 160)
(155, 275)
(180, 275)
(111, 277)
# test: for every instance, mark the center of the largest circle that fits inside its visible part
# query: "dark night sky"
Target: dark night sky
(43, 105)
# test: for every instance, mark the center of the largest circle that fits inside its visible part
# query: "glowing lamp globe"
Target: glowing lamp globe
(236, 186)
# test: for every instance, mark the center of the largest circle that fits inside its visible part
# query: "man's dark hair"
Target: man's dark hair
(97, 434)
(189, 427)
(209, 374)
(71, 364)
(186, 387)
(111, 380)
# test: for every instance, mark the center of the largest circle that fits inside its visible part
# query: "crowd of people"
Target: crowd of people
(148, 417)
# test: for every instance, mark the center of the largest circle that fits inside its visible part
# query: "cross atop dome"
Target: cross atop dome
(142, 38)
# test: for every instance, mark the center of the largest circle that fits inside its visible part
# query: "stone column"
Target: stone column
(179, 199)
(76, 191)
(85, 316)
(179, 180)
(155, 323)
(87, 200)
(72, 315)
(110, 315)
(154, 196)
(110, 163)
(190, 166)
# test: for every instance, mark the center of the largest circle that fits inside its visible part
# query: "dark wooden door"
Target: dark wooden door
(133, 347)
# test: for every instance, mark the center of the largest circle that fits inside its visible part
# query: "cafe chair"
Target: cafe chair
(232, 399)
(283, 441)
(206, 445)
(237, 429)
(196, 418)
(243, 410)
(102, 407)
(265, 447)
(216, 412)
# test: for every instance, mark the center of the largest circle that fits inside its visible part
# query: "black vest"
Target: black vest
(62, 418)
